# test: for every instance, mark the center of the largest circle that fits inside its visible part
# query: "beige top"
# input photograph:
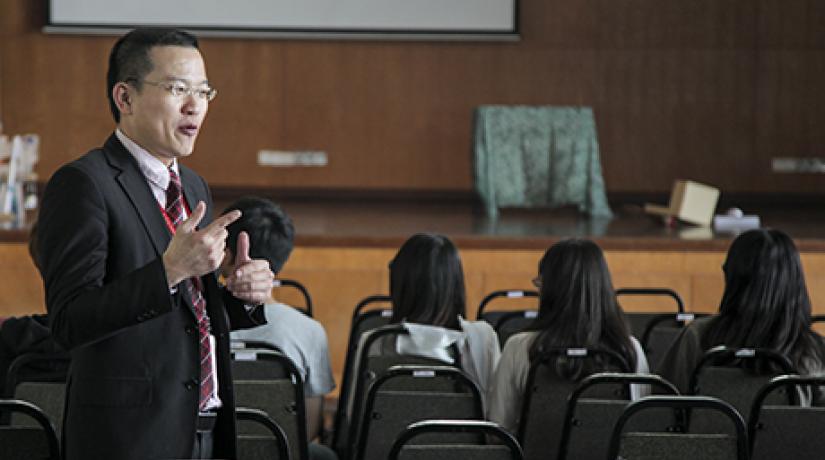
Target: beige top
(506, 392)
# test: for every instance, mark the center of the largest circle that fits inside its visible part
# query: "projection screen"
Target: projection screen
(411, 19)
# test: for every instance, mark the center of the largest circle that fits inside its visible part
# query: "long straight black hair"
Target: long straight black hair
(427, 282)
(765, 303)
(577, 306)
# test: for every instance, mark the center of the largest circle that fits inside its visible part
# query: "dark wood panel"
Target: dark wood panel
(704, 89)
(791, 23)
(790, 116)
(675, 24)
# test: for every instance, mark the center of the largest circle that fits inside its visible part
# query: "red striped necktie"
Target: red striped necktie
(194, 288)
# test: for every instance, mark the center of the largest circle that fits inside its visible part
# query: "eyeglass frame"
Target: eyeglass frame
(208, 95)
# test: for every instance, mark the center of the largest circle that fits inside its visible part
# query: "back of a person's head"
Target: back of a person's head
(270, 230)
(765, 303)
(427, 282)
(129, 60)
(577, 303)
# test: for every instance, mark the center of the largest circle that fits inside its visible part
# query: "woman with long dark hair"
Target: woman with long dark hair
(765, 305)
(428, 298)
(427, 282)
(577, 308)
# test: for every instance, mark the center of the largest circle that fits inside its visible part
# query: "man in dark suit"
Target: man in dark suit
(128, 257)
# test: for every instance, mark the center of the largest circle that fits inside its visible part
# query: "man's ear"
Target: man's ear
(121, 93)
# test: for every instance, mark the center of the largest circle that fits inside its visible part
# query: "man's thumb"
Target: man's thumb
(242, 252)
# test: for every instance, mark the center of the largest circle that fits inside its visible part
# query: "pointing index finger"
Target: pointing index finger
(223, 221)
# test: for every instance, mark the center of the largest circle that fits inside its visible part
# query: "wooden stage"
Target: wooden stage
(344, 245)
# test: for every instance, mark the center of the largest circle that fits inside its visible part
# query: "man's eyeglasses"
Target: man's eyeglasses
(180, 89)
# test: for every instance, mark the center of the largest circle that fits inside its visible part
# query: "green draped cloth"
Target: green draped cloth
(538, 157)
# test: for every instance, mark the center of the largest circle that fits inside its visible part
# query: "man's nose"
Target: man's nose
(192, 105)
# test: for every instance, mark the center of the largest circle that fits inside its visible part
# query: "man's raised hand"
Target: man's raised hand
(251, 280)
(196, 252)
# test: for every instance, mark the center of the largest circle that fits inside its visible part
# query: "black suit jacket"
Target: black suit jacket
(133, 385)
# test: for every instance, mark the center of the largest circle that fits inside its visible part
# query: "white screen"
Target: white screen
(411, 16)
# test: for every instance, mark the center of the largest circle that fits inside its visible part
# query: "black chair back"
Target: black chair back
(638, 321)
(588, 421)
(660, 333)
(365, 318)
(676, 443)
(513, 322)
(549, 385)
(736, 375)
(273, 445)
(34, 439)
(39, 378)
(502, 445)
(269, 381)
(407, 394)
(494, 316)
(787, 430)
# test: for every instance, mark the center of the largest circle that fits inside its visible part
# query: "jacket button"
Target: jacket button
(191, 383)
(189, 330)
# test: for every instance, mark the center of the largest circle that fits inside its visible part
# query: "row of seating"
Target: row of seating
(268, 384)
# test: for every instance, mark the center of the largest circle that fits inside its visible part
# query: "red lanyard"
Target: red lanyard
(169, 220)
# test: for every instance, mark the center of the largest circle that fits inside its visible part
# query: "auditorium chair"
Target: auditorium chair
(546, 394)
(493, 316)
(365, 317)
(513, 322)
(33, 437)
(267, 380)
(660, 333)
(736, 375)
(414, 442)
(407, 394)
(787, 430)
(589, 419)
(307, 308)
(39, 378)
(270, 445)
(678, 442)
(370, 363)
(638, 321)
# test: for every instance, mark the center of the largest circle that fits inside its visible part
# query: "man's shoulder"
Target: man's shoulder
(92, 161)
(286, 314)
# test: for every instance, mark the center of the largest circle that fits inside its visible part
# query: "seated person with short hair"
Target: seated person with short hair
(300, 337)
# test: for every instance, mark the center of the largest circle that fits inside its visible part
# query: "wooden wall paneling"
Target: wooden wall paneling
(789, 118)
(21, 289)
(247, 115)
(675, 86)
(814, 267)
(378, 121)
(715, 118)
(706, 292)
(790, 24)
(640, 99)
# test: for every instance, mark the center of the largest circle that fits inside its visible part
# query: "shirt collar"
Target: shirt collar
(153, 169)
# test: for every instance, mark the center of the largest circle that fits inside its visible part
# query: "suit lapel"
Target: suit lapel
(135, 187)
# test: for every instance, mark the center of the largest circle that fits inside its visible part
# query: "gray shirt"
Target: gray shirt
(302, 339)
